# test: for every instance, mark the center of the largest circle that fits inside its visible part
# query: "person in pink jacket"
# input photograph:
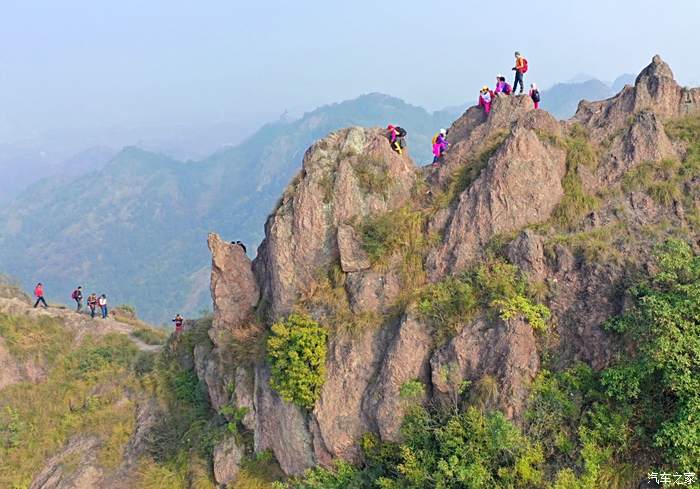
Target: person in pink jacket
(439, 146)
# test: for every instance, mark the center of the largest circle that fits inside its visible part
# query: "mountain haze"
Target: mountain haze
(135, 228)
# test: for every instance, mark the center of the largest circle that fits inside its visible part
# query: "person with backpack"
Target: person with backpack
(535, 95)
(77, 296)
(485, 99)
(102, 302)
(92, 304)
(506, 89)
(396, 135)
(39, 294)
(439, 146)
(520, 69)
(179, 320)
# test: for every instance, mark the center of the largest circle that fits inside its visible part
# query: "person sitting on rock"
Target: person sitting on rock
(520, 69)
(485, 99)
(439, 146)
(500, 84)
(396, 137)
(92, 304)
(39, 294)
(179, 321)
(535, 95)
(506, 89)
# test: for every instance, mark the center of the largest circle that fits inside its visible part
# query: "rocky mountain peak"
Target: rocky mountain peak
(517, 188)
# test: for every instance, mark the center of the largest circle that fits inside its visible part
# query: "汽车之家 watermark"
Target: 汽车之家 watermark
(673, 479)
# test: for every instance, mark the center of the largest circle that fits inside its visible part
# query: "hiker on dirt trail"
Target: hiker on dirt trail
(440, 144)
(485, 99)
(92, 304)
(179, 320)
(39, 294)
(535, 95)
(77, 296)
(102, 302)
(396, 135)
(520, 69)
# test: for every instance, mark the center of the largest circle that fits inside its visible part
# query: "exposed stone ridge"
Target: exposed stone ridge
(353, 174)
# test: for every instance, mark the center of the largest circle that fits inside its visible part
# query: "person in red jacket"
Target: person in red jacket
(39, 294)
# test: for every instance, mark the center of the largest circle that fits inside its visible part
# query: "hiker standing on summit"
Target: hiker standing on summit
(39, 294)
(92, 304)
(520, 69)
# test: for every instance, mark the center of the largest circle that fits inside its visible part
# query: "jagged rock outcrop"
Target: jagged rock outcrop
(655, 90)
(336, 187)
(520, 185)
(233, 287)
(227, 460)
(353, 175)
(504, 350)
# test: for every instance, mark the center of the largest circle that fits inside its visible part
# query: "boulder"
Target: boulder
(227, 460)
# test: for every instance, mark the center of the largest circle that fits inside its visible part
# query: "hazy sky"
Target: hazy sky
(83, 64)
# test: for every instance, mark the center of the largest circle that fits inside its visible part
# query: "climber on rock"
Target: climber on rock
(520, 69)
(502, 86)
(396, 137)
(39, 294)
(179, 321)
(485, 99)
(439, 146)
(535, 95)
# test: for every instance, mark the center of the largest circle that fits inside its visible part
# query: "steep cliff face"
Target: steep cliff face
(555, 199)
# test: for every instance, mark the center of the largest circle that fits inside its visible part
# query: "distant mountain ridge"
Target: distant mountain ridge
(136, 228)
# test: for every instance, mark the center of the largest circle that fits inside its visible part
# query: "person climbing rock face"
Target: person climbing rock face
(535, 95)
(77, 296)
(520, 69)
(439, 146)
(396, 135)
(485, 99)
(179, 321)
(39, 294)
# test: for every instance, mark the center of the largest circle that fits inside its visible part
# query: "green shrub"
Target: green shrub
(372, 175)
(296, 351)
(495, 285)
(412, 390)
(576, 201)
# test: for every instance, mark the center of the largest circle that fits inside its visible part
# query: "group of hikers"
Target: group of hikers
(93, 301)
(486, 95)
(397, 134)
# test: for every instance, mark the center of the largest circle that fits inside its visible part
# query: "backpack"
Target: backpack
(74, 295)
(535, 95)
(507, 89)
(524, 68)
(400, 132)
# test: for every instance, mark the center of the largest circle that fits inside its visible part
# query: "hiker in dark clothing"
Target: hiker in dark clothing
(92, 304)
(179, 320)
(77, 296)
(39, 294)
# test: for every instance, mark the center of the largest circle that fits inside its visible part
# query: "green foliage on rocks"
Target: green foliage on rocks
(296, 351)
(495, 286)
